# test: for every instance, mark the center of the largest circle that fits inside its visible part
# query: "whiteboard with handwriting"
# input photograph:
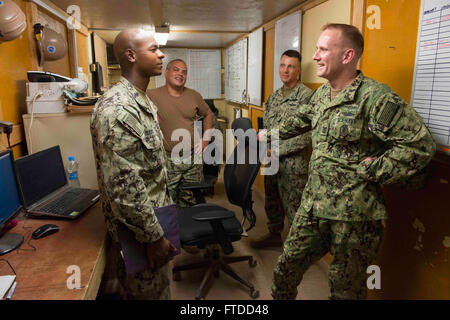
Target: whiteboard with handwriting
(236, 72)
(204, 70)
(431, 85)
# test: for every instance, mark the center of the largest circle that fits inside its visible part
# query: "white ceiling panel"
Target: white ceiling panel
(201, 40)
(181, 15)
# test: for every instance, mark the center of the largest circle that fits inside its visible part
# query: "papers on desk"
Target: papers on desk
(5, 284)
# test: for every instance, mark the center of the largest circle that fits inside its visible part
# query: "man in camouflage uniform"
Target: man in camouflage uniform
(130, 161)
(363, 135)
(283, 191)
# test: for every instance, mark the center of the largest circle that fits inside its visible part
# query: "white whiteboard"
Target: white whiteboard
(255, 65)
(236, 72)
(287, 36)
(205, 73)
(431, 84)
(204, 70)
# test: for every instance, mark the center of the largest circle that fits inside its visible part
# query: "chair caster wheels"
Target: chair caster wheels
(254, 294)
(176, 276)
(252, 263)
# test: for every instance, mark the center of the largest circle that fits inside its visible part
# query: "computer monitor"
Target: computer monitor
(97, 77)
(9, 203)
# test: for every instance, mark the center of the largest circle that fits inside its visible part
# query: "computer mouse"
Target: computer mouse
(44, 230)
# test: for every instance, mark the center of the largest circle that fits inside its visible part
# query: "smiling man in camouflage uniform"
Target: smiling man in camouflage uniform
(131, 162)
(363, 136)
(283, 190)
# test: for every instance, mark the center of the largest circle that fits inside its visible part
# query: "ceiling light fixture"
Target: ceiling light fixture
(162, 35)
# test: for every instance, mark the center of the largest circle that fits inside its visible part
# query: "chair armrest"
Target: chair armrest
(196, 186)
(215, 218)
(213, 215)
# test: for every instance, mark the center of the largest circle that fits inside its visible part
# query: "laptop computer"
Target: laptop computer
(44, 189)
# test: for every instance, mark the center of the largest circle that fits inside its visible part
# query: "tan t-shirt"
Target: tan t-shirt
(177, 112)
(334, 93)
(144, 96)
(286, 91)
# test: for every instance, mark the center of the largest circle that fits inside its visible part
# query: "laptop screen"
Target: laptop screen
(39, 174)
(9, 196)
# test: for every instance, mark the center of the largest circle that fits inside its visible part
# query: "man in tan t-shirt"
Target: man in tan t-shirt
(178, 108)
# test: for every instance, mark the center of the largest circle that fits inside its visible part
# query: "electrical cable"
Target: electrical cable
(38, 94)
(9, 266)
(28, 236)
(7, 130)
(9, 142)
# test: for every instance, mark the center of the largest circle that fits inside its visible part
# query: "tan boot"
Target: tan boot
(268, 240)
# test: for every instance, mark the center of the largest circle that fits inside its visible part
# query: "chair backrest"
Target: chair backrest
(242, 167)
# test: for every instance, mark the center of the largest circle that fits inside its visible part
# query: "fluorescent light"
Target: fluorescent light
(162, 35)
(161, 38)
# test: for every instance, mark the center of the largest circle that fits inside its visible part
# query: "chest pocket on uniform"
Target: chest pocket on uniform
(320, 128)
(153, 151)
(348, 129)
(147, 149)
(346, 135)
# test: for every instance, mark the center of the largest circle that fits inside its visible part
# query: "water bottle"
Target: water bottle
(72, 169)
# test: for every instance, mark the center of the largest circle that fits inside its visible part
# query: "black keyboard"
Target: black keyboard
(66, 201)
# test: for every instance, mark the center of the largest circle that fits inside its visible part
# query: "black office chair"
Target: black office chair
(211, 170)
(213, 227)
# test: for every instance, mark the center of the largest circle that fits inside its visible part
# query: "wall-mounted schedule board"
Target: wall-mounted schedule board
(431, 85)
(204, 70)
(236, 72)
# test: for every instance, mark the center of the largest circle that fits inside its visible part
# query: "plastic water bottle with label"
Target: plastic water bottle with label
(72, 170)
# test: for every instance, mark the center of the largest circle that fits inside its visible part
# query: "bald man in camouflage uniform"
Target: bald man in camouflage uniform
(283, 190)
(363, 136)
(131, 163)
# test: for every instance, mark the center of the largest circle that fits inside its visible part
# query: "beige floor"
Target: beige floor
(313, 287)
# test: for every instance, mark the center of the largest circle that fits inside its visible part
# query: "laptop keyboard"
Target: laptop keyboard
(66, 201)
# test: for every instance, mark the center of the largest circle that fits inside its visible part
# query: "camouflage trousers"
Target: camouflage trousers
(178, 174)
(146, 285)
(283, 193)
(353, 245)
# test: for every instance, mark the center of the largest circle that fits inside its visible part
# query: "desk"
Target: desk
(41, 274)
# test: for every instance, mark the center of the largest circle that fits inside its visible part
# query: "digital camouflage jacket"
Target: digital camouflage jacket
(366, 119)
(130, 161)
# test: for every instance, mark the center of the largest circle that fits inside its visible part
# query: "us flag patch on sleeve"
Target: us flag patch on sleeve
(133, 125)
(388, 114)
